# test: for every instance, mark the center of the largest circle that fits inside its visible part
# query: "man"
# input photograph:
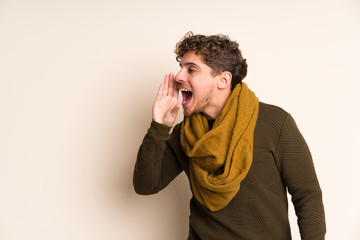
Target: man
(240, 155)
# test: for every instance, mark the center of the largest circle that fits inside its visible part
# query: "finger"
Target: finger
(171, 84)
(175, 91)
(166, 85)
(160, 92)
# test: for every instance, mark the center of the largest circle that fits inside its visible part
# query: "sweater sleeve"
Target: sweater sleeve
(299, 175)
(156, 164)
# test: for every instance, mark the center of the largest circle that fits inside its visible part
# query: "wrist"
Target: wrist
(159, 130)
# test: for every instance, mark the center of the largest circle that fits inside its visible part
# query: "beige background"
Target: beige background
(77, 82)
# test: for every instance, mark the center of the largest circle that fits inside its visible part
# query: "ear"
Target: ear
(225, 80)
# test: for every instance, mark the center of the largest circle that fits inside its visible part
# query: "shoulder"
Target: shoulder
(272, 115)
(270, 123)
(273, 110)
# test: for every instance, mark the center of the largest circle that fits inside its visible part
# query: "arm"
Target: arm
(299, 175)
(156, 164)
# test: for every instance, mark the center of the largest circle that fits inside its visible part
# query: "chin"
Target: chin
(187, 113)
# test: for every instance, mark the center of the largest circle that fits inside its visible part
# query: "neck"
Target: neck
(218, 101)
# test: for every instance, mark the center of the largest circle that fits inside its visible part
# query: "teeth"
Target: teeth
(184, 90)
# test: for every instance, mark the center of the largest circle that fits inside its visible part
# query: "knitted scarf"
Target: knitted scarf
(221, 158)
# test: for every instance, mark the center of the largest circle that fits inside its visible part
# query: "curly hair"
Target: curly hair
(218, 52)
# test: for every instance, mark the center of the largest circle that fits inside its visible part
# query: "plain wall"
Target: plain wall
(77, 83)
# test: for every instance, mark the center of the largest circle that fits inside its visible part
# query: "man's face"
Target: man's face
(197, 84)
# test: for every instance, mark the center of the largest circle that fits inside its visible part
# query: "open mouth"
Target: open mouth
(186, 96)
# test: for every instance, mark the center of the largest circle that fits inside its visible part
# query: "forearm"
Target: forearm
(311, 217)
(300, 177)
(156, 165)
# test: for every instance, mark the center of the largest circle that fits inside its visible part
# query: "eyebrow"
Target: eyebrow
(188, 64)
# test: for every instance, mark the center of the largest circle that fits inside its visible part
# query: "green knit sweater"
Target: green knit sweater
(259, 211)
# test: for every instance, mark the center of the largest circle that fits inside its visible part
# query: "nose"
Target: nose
(179, 77)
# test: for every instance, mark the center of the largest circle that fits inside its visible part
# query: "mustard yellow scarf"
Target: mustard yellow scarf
(221, 158)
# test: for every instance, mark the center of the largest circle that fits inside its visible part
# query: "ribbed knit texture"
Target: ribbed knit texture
(281, 161)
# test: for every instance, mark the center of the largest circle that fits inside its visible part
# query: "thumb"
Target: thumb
(177, 107)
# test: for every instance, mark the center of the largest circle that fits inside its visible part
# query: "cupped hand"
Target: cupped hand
(166, 106)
